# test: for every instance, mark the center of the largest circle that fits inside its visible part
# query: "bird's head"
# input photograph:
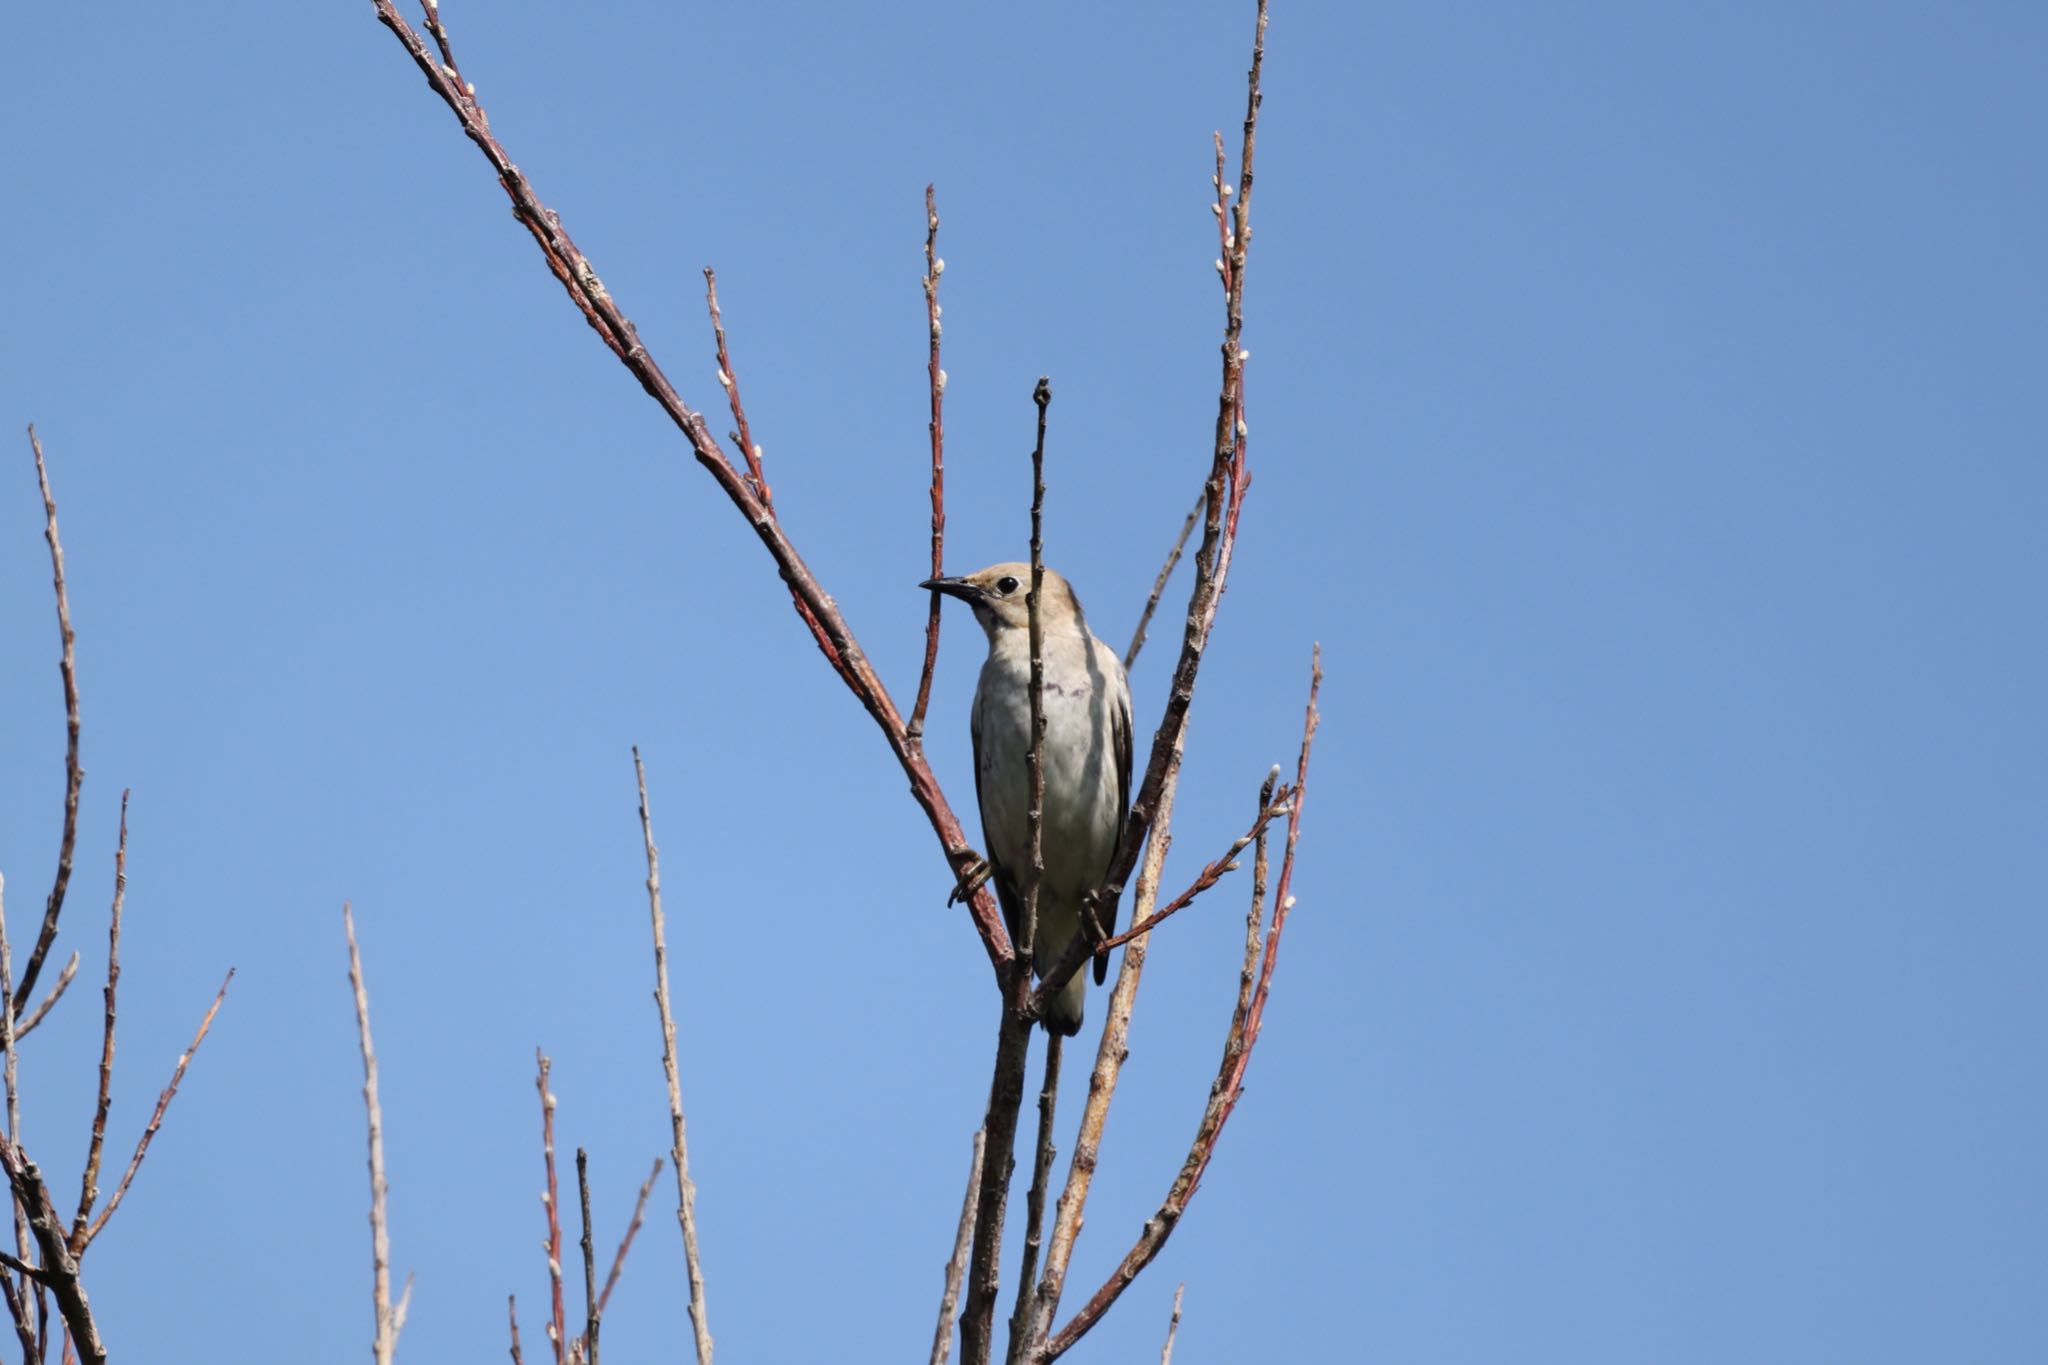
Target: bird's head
(998, 595)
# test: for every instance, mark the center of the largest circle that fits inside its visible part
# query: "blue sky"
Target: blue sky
(1645, 415)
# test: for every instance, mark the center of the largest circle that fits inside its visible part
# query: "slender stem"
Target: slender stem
(611, 1278)
(1005, 1098)
(89, 1185)
(558, 1327)
(16, 1303)
(37, 1015)
(385, 1344)
(679, 1152)
(1172, 1327)
(956, 1265)
(1211, 873)
(1180, 542)
(74, 776)
(1034, 1202)
(936, 378)
(512, 1318)
(156, 1118)
(730, 382)
(592, 1313)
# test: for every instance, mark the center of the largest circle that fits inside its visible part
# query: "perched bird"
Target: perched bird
(1087, 762)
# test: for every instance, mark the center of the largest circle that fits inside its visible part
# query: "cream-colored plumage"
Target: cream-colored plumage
(1087, 761)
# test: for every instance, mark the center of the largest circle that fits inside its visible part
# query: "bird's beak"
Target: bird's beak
(953, 587)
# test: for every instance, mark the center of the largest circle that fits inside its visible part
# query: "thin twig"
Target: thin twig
(89, 1185)
(611, 1279)
(593, 1312)
(1180, 542)
(1211, 873)
(1228, 1087)
(819, 612)
(512, 1315)
(385, 1344)
(37, 1015)
(729, 380)
(21, 1267)
(679, 1154)
(1172, 1327)
(18, 1309)
(558, 1331)
(156, 1118)
(59, 1266)
(1006, 1088)
(1034, 1201)
(956, 1265)
(936, 378)
(74, 776)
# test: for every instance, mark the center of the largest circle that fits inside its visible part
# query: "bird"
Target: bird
(1086, 761)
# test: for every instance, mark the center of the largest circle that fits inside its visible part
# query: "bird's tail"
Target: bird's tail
(1063, 1013)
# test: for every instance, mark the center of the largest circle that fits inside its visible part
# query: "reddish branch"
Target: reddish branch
(1246, 1021)
(37, 1015)
(74, 776)
(819, 611)
(729, 380)
(1180, 542)
(1210, 874)
(936, 377)
(551, 1201)
(611, 1279)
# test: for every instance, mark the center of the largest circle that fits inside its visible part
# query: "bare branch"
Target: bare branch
(956, 1266)
(74, 776)
(37, 1015)
(611, 1279)
(1211, 873)
(936, 377)
(31, 1287)
(558, 1331)
(821, 615)
(1172, 1327)
(1034, 1202)
(156, 1118)
(60, 1267)
(1246, 1023)
(1180, 542)
(593, 1311)
(512, 1316)
(388, 1319)
(679, 1153)
(729, 380)
(89, 1185)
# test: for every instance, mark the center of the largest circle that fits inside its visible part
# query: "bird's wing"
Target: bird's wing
(1006, 893)
(1120, 741)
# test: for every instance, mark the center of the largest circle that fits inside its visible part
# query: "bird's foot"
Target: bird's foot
(972, 879)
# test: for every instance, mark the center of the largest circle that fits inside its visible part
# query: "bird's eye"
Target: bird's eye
(1006, 585)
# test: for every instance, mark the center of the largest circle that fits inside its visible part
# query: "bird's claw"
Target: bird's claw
(972, 879)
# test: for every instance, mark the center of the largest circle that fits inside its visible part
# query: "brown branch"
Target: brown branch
(18, 1308)
(156, 1118)
(1223, 501)
(89, 1185)
(729, 380)
(37, 1015)
(512, 1315)
(1246, 1022)
(550, 1199)
(611, 1279)
(1211, 873)
(1034, 1202)
(1006, 1087)
(592, 1312)
(18, 1297)
(956, 1266)
(59, 1266)
(679, 1153)
(834, 638)
(936, 377)
(74, 776)
(1180, 542)
(1172, 1327)
(388, 1320)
